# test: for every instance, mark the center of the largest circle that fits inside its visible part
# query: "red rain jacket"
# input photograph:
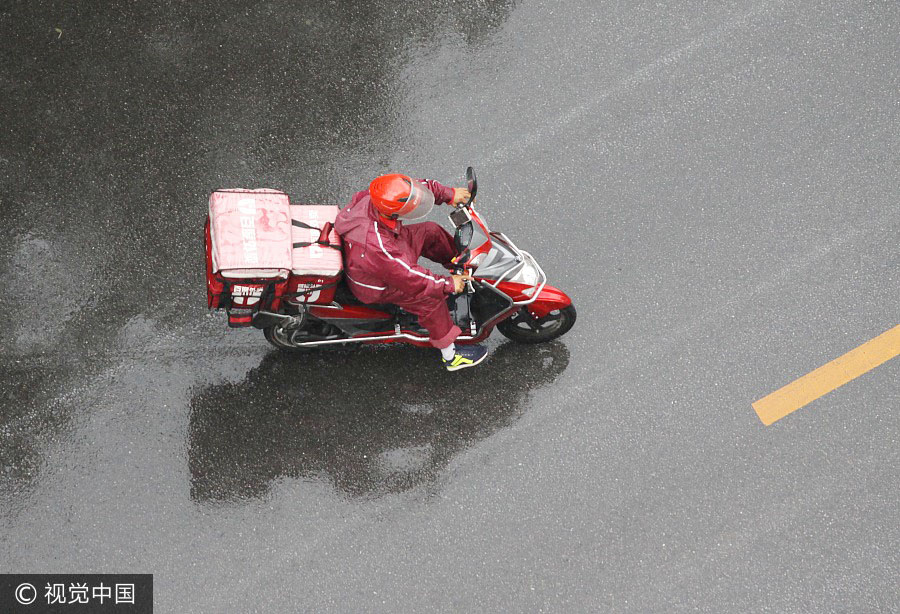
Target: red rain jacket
(376, 256)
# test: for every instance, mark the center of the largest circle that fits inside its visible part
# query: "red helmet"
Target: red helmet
(400, 196)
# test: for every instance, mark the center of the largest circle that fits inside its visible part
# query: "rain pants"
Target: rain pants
(381, 262)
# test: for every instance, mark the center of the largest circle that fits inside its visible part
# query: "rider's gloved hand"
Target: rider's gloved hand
(459, 282)
(460, 196)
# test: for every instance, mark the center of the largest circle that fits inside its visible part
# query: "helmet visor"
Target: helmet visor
(419, 203)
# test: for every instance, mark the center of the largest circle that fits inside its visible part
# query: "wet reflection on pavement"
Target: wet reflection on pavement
(354, 420)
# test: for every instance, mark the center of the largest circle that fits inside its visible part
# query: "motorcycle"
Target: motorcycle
(508, 291)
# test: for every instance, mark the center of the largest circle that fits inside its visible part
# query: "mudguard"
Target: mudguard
(550, 298)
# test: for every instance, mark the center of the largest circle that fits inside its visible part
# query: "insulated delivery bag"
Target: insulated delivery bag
(262, 253)
(316, 258)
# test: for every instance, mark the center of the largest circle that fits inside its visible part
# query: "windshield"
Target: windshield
(478, 237)
(463, 236)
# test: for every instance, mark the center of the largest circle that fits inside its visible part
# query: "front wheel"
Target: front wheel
(522, 327)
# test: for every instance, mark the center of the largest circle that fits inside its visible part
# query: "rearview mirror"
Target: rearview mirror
(471, 183)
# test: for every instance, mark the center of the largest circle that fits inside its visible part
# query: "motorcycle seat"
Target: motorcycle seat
(344, 296)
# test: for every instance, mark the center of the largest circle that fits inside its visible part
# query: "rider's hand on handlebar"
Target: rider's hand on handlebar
(460, 196)
(459, 282)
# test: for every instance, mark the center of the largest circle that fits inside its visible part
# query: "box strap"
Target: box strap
(324, 231)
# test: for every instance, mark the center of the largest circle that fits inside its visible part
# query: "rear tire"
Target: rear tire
(521, 327)
(280, 338)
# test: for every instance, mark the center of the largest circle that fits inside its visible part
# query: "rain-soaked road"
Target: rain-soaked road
(716, 185)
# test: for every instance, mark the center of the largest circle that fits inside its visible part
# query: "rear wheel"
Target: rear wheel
(522, 327)
(286, 338)
(282, 338)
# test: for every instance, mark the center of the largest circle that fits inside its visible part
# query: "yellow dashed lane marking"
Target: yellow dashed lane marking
(829, 377)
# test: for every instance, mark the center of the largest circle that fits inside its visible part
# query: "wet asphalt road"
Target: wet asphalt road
(716, 186)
